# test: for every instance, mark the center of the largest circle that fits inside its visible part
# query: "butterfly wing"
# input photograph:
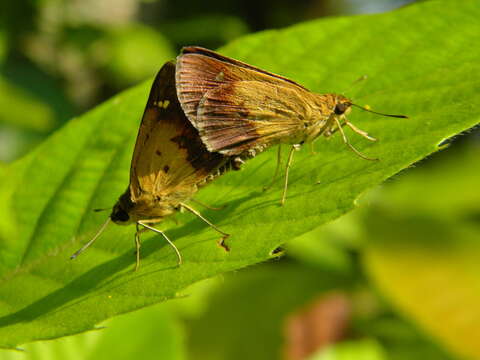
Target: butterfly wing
(169, 157)
(242, 115)
(200, 70)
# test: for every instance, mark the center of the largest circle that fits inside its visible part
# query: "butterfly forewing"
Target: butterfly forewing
(200, 70)
(169, 157)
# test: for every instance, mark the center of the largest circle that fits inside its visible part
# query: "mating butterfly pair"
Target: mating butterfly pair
(207, 114)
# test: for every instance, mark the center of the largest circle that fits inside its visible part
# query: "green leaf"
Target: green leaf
(423, 250)
(414, 61)
(134, 335)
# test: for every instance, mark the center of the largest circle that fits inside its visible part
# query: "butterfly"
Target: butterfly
(169, 164)
(240, 110)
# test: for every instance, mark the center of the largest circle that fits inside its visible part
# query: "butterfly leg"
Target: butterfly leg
(331, 131)
(137, 246)
(207, 206)
(359, 131)
(145, 224)
(345, 140)
(275, 174)
(195, 212)
(287, 168)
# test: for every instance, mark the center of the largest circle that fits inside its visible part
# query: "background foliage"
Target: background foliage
(395, 279)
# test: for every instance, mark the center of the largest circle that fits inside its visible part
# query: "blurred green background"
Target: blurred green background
(398, 279)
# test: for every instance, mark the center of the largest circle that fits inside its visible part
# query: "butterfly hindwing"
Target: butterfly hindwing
(240, 115)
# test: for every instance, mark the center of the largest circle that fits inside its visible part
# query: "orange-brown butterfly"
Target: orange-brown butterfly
(240, 110)
(169, 164)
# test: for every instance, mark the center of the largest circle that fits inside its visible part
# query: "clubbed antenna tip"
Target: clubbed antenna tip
(379, 113)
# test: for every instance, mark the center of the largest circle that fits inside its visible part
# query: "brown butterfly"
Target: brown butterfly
(169, 164)
(240, 110)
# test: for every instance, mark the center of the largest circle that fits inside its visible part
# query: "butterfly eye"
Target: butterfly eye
(341, 108)
(119, 215)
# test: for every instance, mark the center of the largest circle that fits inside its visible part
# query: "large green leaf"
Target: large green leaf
(134, 335)
(417, 65)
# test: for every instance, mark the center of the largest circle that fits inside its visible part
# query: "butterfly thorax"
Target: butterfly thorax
(325, 109)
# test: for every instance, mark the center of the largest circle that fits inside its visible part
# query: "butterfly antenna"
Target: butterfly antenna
(87, 245)
(379, 113)
(355, 83)
(102, 209)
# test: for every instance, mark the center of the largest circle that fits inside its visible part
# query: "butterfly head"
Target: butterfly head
(119, 215)
(342, 106)
(121, 211)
